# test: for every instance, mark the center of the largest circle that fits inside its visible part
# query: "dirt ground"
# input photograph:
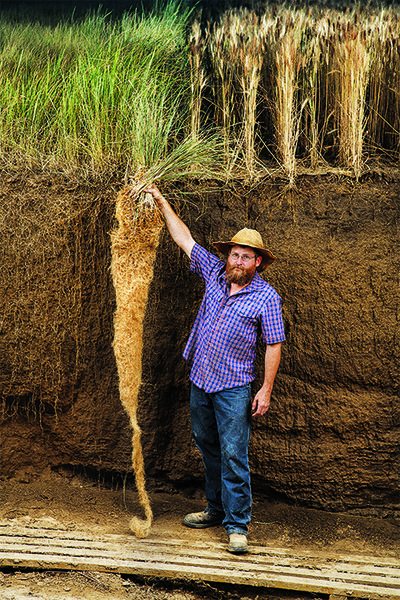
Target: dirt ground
(79, 503)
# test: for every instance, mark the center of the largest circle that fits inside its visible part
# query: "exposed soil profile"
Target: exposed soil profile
(331, 438)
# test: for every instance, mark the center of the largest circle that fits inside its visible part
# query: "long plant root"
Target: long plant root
(133, 246)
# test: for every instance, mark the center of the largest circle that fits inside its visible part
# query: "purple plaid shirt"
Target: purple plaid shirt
(221, 349)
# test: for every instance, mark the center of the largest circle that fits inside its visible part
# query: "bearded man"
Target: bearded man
(221, 352)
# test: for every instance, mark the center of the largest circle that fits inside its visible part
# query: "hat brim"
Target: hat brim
(267, 256)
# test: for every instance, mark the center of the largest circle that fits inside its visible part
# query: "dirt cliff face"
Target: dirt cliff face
(330, 438)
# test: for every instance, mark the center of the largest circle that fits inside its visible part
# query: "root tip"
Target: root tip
(140, 528)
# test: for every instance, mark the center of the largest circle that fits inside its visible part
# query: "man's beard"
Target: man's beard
(238, 275)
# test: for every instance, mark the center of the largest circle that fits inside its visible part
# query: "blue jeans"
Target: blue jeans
(221, 430)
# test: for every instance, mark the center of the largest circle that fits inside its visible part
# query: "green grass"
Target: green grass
(96, 94)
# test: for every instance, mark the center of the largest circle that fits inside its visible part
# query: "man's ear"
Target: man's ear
(258, 261)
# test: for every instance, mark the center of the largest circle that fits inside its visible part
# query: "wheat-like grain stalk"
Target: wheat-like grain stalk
(198, 77)
(223, 51)
(248, 43)
(287, 110)
(352, 66)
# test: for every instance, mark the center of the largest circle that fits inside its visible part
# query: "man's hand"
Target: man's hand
(261, 402)
(155, 192)
(178, 230)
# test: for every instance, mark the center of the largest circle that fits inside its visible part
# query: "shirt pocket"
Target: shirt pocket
(247, 313)
(246, 325)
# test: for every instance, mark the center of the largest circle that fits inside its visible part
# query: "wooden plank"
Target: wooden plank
(171, 545)
(288, 582)
(361, 576)
(26, 545)
(195, 549)
(197, 552)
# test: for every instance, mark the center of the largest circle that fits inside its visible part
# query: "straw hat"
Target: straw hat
(251, 238)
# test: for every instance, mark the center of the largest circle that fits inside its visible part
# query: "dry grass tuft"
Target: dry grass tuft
(198, 78)
(352, 67)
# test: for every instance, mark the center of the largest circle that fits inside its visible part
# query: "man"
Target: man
(221, 352)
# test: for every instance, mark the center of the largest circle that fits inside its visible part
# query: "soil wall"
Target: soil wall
(331, 437)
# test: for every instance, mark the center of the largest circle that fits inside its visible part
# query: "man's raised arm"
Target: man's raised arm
(179, 231)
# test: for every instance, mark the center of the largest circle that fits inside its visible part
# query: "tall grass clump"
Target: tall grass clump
(288, 55)
(223, 52)
(249, 68)
(198, 77)
(71, 91)
(352, 67)
(313, 85)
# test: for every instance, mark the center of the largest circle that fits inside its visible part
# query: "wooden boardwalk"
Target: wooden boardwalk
(355, 576)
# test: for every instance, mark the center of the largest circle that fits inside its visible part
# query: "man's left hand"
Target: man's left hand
(261, 403)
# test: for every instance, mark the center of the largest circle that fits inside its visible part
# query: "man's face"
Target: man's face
(241, 265)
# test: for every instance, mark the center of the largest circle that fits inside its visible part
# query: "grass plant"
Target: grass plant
(198, 77)
(314, 76)
(248, 66)
(74, 95)
(352, 68)
(287, 111)
(223, 51)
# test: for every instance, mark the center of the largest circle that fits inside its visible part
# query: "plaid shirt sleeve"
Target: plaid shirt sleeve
(272, 327)
(203, 263)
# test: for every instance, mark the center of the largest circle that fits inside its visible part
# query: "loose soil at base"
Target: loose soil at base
(64, 498)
